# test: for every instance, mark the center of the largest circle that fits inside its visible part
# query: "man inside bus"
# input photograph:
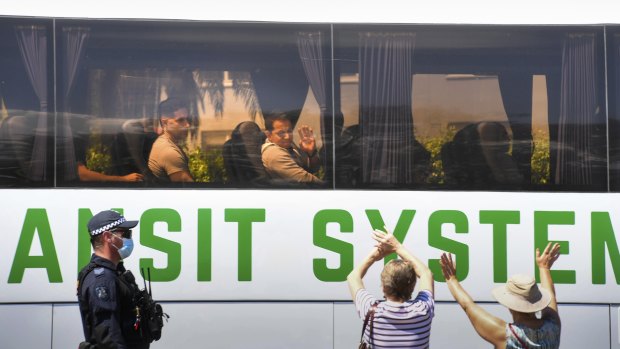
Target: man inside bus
(167, 160)
(284, 161)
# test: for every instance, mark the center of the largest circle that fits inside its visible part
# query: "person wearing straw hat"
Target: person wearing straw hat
(523, 298)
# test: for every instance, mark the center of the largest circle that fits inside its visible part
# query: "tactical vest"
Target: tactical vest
(127, 292)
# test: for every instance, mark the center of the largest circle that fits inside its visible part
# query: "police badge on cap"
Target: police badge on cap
(106, 220)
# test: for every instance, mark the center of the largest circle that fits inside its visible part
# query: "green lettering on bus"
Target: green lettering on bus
(203, 244)
(602, 234)
(500, 221)
(437, 240)
(400, 231)
(171, 248)
(342, 248)
(245, 217)
(542, 221)
(35, 222)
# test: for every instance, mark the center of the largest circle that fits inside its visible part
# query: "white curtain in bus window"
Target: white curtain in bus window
(310, 46)
(73, 43)
(311, 54)
(578, 112)
(32, 42)
(386, 124)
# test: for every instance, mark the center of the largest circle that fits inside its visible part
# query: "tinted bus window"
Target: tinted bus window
(466, 107)
(613, 93)
(223, 83)
(26, 103)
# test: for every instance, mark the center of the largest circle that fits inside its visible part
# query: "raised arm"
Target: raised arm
(355, 277)
(388, 244)
(545, 262)
(490, 328)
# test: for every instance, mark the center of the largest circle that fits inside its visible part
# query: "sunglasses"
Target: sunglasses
(126, 233)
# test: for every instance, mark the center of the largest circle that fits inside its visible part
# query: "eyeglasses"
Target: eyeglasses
(126, 233)
(281, 134)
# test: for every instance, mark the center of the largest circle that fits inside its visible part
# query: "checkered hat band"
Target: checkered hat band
(108, 226)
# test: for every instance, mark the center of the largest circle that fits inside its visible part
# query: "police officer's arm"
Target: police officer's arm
(105, 307)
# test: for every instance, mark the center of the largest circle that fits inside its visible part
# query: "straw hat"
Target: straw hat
(522, 294)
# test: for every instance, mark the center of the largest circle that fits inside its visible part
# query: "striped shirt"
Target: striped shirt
(398, 325)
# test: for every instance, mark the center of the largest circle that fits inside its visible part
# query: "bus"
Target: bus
(466, 128)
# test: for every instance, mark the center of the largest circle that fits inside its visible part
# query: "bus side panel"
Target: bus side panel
(614, 315)
(26, 326)
(287, 325)
(224, 325)
(583, 326)
(67, 326)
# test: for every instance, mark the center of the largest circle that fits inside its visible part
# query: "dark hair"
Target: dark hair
(170, 105)
(270, 120)
(398, 279)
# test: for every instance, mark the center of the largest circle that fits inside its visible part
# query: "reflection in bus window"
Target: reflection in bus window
(119, 72)
(402, 97)
(613, 79)
(409, 93)
(26, 100)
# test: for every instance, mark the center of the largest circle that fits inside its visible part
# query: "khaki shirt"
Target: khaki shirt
(288, 165)
(167, 158)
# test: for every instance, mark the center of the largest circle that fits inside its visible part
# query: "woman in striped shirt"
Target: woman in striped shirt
(399, 321)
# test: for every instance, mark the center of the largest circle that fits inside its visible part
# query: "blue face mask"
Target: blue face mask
(127, 248)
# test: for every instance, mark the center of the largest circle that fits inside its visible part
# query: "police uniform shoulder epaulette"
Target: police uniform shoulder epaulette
(99, 272)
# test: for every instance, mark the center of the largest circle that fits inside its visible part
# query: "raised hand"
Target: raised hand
(549, 256)
(448, 268)
(386, 240)
(378, 253)
(306, 139)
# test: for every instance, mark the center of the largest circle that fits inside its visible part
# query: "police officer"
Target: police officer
(106, 291)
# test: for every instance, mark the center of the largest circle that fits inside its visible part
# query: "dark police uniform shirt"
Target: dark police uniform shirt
(110, 305)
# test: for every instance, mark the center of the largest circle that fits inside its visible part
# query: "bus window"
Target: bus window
(230, 78)
(613, 93)
(26, 103)
(466, 107)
